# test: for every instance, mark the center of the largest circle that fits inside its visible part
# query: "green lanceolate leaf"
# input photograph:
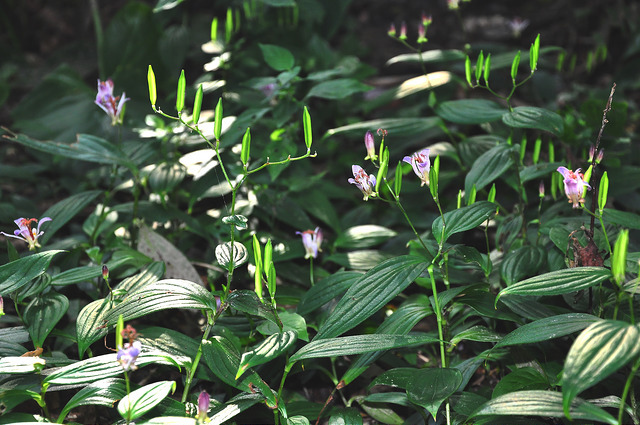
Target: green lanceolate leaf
(470, 111)
(358, 344)
(162, 295)
(91, 323)
(599, 350)
(364, 236)
(525, 261)
(269, 349)
(541, 403)
(86, 148)
(65, 210)
(400, 322)
(548, 328)
(371, 292)
(462, 219)
(429, 388)
(534, 117)
(43, 313)
(233, 407)
(489, 166)
(140, 401)
(326, 290)
(337, 89)
(16, 274)
(248, 302)
(21, 365)
(223, 358)
(278, 58)
(102, 367)
(558, 282)
(102, 393)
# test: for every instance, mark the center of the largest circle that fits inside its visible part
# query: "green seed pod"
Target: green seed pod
(246, 147)
(197, 105)
(308, 133)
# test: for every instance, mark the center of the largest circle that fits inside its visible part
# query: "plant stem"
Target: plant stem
(627, 387)
(126, 381)
(443, 356)
(196, 361)
(311, 271)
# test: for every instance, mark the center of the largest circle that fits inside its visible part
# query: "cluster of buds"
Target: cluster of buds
(422, 29)
(26, 233)
(128, 354)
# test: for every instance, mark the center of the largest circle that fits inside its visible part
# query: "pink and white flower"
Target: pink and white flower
(312, 240)
(366, 183)
(112, 105)
(574, 186)
(26, 233)
(421, 165)
(128, 355)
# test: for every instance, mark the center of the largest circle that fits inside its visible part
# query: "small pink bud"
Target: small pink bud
(592, 152)
(426, 19)
(370, 144)
(422, 32)
(1, 307)
(403, 31)
(541, 189)
(105, 272)
(392, 30)
(600, 156)
(204, 401)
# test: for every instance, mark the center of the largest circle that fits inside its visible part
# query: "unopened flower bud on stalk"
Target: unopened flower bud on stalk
(403, 31)
(541, 189)
(600, 156)
(422, 32)
(370, 144)
(204, 401)
(426, 19)
(1, 307)
(392, 30)
(592, 152)
(105, 272)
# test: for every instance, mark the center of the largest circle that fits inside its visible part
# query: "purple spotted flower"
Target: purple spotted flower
(204, 402)
(312, 240)
(112, 105)
(366, 183)
(26, 233)
(573, 186)
(128, 354)
(421, 165)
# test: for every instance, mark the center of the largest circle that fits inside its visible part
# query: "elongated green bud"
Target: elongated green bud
(214, 29)
(217, 125)
(603, 192)
(492, 194)
(271, 280)
(398, 178)
(514, 66)
(246, 147)
(153, 94)
(536, 150)
(384, 167)
(182, 86)
(434, 177)
(471, 197)
(479, 66)
(534, 53)
(306, 124)
(268, 252)
(467, 70)
(119, 328)
(197, 105)
(619, 259)
(487, 68)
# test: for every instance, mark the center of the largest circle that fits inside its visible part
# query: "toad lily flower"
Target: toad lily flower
(573, 185)
(107, 102)
(311, 239)
(127, 356)
(26, 233)
(421, 165)
(366, 184)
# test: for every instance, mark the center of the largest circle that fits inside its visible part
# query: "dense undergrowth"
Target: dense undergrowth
(247, 222)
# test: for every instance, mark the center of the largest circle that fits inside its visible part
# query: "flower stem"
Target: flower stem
(443, 355)
(627, 387)
(196, 360)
